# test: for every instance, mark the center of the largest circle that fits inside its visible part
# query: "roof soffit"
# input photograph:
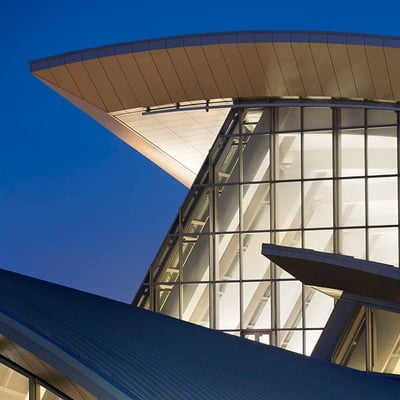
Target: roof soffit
(118, 81)
(240, 65)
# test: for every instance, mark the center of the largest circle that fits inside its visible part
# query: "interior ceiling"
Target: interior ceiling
(185, 136)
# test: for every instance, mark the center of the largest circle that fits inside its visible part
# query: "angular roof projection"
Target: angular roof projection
(116, 351)
(135, 89)
(336, 271)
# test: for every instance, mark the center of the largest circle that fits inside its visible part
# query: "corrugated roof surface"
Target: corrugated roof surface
(144, 355)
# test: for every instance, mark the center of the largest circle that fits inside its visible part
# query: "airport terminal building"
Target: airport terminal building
(288, 143)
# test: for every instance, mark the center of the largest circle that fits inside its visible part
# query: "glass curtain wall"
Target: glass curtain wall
(319, 177)
(372, 341)
(18, 384)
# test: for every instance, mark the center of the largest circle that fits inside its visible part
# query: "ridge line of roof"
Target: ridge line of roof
(215, 38)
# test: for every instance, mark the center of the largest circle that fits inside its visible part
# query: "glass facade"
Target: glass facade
(17, 384)
(372, 341)
(316, 175)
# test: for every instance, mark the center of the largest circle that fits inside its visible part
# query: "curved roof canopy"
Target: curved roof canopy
(116, 351)
(117, 84)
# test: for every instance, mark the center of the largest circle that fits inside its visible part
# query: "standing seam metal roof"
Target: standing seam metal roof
(118, 351)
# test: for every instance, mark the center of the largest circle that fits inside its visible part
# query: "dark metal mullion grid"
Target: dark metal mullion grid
(271, 181)
(369, 338)
(330, 227)
(213, 290)
(180, 261)
(337, 206)
(337, 178)
(366, 211)
(303, 300)
(274, 291)
(33, 390)
(161, 283)
(398, 186)
(153, 294)
(240, 220)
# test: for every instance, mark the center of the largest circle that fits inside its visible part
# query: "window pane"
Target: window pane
(289, 118)
(317, 155)
(289, 238)
(318, 204)
(288, 157)
(195, 258)
(387, 342)
(256, 158)
(228, 305)
(352, 242)
(195, 304)
(228, 255)
(352, 153)
(227, 210)
(195, 211)
(256, 206)
(251, 119)
(318, 307)
(166, 266)
(383, 245)
(352, 117)
(288, 205)
(291, 340)
(381, 117)
(382, 201)
(280, 273)
(352, 208)
(46, 394)
(382, 151)
(257, 120)
(290, 304)
(167, 299)
(13, 385)
(257, 305)
(227, 157)
(321, 240)
(317, 117)
(144, 299)
(312, 337)
(255, 265)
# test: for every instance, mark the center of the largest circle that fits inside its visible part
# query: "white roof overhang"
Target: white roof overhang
(118, 84)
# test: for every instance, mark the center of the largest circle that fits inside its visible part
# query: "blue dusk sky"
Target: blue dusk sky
(78, 206)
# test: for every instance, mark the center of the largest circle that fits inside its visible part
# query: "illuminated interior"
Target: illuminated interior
(315, 175)
(17, 384)
(371, 342)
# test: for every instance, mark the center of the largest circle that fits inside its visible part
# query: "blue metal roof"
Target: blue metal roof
(117, 351)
